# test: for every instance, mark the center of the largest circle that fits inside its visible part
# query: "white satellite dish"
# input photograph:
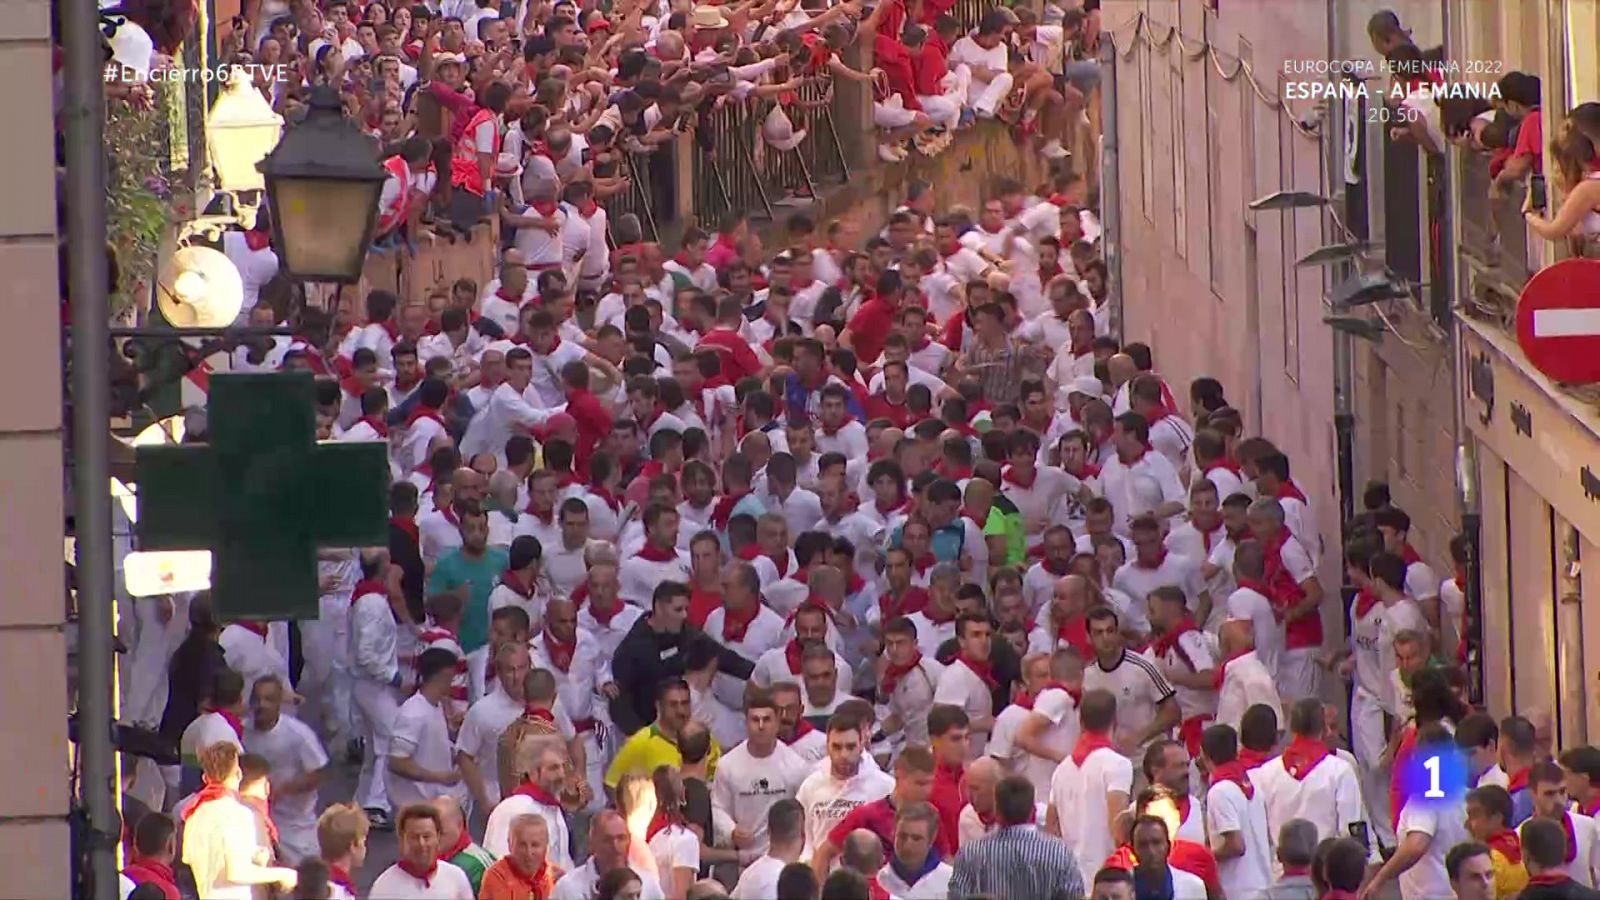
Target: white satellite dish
(200, 289)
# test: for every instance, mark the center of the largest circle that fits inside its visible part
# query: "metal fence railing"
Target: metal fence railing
(1493, 231)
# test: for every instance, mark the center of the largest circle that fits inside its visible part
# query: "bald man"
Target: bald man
(983, 774)
(438, 530)
(1122, 370)
(575, 658)
(862, 853)
(455, 842)
(608, 848)
(1245, 680)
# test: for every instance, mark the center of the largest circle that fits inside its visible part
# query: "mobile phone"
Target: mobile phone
(1538, 197)
(1358, 830)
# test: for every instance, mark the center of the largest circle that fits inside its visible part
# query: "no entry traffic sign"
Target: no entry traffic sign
(1558, 321)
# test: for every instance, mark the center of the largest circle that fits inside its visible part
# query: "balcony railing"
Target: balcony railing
(1493, 234)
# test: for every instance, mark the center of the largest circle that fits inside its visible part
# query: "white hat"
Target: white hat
(1088, 385)
(440, 59)
(709, 17)
(779, 133)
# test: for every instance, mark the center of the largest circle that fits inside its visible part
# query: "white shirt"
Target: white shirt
(747, 786)
(1226, 481)
(931, 634)
(1138, 686)
(548, 384)
(913, 698)
(1194, 651)
(479, 737)
(827, 800)
(493, 425)
(637, 577)
(1445, 824)
(252, 656)
(1249, 604)
(437, 535)
(967, 52)
(1246, 682)
(1078, 794)
(374, 636)
(420, 734)
(801, 509)
(576, 686)
(1329, 797)
(1229, 811)
(960, 686)
(933, 886)
(256, 267)
(448, 883)
(1186, 886)
(760, 880)
(764, 633)
(773, 668)
(497, 833)
(675, 847)
(579, 884)
(219, 836)
(1401, 615)
(207, 729)
(1138, 488)
(1137, 581)
(292, 749)
(850, 440)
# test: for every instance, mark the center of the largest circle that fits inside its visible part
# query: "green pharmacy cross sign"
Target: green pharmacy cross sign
(263, 495)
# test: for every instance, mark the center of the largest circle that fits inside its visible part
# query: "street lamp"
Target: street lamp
(323, 181)
(240, 132)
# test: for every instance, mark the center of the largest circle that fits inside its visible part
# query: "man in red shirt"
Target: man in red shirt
(892, 404)
(590, 415)
(1519, 94)
(738, 360)
(938, 90)
(872, 323)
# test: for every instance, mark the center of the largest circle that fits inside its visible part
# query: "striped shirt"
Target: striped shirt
(1017, 863)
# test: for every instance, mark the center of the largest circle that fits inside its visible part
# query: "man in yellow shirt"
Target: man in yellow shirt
(1488, 820)
(656, 744)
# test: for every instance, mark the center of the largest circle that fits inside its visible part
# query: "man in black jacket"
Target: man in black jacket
(654, 651)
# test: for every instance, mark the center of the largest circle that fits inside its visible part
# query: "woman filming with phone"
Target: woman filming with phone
(1576, 157)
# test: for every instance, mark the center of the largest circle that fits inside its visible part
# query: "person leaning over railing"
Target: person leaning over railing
(1576, 157)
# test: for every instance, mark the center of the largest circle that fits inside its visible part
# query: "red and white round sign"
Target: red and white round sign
(1558, 321)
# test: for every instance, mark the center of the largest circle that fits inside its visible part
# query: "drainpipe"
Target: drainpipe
(1110, 189)
(1344, 420)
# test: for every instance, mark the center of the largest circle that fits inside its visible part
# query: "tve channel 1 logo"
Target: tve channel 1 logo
(1435, 774)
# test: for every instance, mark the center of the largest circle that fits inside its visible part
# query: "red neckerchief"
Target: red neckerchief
(814, 602)
(260, 806)
(1366, 599)
(1336, 894)
(144, 870)
(660, 822)
(801, 729)
(1460, 579)
(1235, 772)
(423, 412)
(1288, 490)
(537, 884)
(1222, 669)
(548, 517)
(377, 424)
(834, 430)
(1302, 755)
(609, 499)
(340, 877)
(257, 240)
(983, 670)
(547, 208)
(560, 653)
(924, 562)
(507, 296)
(1169, 641)
(1549, 879)
(749, 552)
(538, 714)
(233, 722)
(791, 654)
(735, 625)
(603, 618)
(946, 254)
(1253, 758)
(1517, 781)
(352, 385)
(885, 512)
(368, 586)
(406, 524)
(780, 562)
(1409, 554)
(535, 792)
(723, 510)
(1088, 742)
(424, 875)
(1161, 558)
(1026, 701)
(1075, 632)
(449, 514)
(654, 554)
(1591, 807)
(512, 580)
(893, 673)
(211, 791)
(914, 599)
(1509, 845)
(1012, 478)
(936, 616)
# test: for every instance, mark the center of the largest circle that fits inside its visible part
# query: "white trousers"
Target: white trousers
(324, 681)
(378, 705)
(1367, 741)
(945, 107)
(144, 671)
(1299, 676)
(987, 97)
